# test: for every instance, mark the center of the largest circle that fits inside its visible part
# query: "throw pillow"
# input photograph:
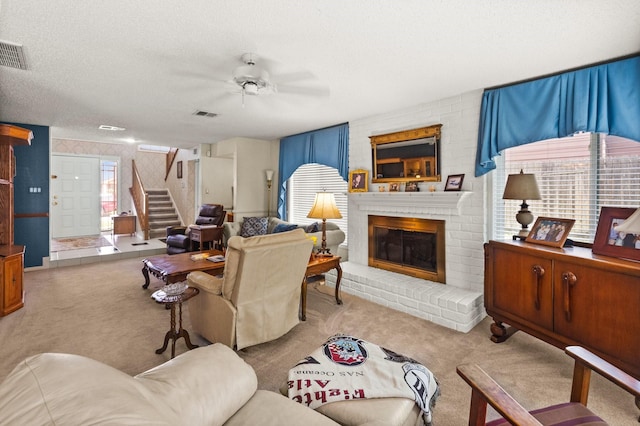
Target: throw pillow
(252, 226)
(314, 227)
(284, 227)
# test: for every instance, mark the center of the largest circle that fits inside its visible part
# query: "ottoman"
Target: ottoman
(355, 382)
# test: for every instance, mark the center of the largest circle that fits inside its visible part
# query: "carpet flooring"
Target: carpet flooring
(99, 310)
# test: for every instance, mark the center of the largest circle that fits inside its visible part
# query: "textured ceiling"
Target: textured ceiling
(148, 65)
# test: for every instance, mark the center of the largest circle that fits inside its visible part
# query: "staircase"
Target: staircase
(162, 213)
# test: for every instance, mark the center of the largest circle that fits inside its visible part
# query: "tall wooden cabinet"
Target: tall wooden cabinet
(11, 256)
(565, 297)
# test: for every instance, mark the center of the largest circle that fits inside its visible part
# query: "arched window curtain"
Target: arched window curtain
(603, 99)
(329, 146)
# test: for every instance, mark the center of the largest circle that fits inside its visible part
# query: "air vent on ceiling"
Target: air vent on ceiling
(205, 114)
(11, 55)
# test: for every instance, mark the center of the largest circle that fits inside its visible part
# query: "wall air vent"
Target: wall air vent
(205, 114)
(11, 55)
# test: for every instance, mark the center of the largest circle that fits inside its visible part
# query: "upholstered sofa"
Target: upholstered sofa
(335, 236)
(210, 385)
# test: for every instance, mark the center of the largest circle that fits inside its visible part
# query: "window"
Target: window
(302, 187)
(576, 175)
(108, 193)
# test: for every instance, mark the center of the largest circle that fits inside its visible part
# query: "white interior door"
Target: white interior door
(75, 193)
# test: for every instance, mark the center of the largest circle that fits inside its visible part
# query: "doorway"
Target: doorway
(75, 193)
(84, 195)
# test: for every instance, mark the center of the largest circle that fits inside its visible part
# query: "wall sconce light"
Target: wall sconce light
(269, 175)
(324, 207)
(522, 186)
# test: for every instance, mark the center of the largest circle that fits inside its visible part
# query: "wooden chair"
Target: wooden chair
(486, 390)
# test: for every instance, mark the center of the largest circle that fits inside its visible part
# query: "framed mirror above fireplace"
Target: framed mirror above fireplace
(407, 156)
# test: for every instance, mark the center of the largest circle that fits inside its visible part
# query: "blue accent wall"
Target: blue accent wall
(31, 195)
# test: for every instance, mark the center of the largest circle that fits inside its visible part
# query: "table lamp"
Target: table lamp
(324, 207)
(522, 186)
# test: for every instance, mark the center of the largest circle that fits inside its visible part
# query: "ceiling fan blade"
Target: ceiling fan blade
(305, 91)
(293, 77)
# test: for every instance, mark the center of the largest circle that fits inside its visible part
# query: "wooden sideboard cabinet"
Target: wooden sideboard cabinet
(565, 296)
(11, 277)
(11, 256)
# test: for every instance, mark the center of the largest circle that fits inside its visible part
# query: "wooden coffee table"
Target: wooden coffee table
(317, 266)
(172, 268)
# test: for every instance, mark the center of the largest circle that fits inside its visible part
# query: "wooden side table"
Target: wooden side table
(206, 234)
(124, 224)
(174, 332)
(318, 265)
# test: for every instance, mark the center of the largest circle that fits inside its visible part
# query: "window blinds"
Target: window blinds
(303, 185)
(576, 176)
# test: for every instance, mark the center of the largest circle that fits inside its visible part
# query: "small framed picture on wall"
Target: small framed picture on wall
(179, 169)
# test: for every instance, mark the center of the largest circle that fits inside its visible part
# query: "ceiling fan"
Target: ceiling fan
(252, 79)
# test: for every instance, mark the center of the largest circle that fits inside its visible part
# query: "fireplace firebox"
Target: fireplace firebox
(410, 246)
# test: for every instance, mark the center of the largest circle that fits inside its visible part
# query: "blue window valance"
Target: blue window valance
(603, 99)
(328, 146)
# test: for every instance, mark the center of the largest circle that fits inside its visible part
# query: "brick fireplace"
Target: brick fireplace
(458, 304)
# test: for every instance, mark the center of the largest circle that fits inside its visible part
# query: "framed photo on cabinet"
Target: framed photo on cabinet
(550, 231)
(611, 242)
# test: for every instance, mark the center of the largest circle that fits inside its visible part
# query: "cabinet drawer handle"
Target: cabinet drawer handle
(539, 272)
(568, 280)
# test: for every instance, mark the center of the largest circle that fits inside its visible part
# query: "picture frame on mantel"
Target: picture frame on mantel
(358, 180)
(454, 183)
(608, 241)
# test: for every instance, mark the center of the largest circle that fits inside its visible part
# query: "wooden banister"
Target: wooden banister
(140, 200)
(171, 157)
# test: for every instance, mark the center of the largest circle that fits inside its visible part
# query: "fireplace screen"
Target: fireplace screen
(410, 246)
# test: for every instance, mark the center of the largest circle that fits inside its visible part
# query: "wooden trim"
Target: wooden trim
(407, 135)
(29, 215)
(14, 135)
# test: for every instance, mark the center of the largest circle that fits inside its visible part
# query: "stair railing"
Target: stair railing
(140, 200)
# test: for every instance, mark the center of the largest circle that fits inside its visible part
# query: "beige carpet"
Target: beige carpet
(100, 310)
(64, 244)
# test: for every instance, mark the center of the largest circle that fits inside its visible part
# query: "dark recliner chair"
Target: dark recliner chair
(178, 240)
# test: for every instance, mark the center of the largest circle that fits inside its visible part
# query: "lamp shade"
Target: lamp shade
(269, 174)
(521, 186)
(324, 207)
(631, 225)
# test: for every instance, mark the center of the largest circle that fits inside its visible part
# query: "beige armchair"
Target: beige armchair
(258, 297)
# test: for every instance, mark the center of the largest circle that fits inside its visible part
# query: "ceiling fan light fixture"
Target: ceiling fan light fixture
(250, 87)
